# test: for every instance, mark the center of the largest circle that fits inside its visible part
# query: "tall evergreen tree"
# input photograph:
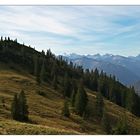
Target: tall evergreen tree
(23, 107)
(1, 38)
(53, 70)
(67, 86)
(42, 72)
(8, 39)
(65, 110)
(87, 78)
(74, 92)
(23, 53)
(99, 105)
(133, 103)
(54, 82)
(14, 108)
(73, 95)
(36, 65)
(36, 68)
(81, 100)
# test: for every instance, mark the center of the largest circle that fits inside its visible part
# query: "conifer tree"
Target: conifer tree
(54, 82)
(5, 38)
(133, 102)
(36, 68)
(95, 79)
(14, 108)
(23, 53)
(81, 100)
(49, 53)
(96, 72)
(66, 86)
(43, 53)
(74, 92)
(99, 105)
(1, 38)
(65, 110)
(8, 38)
(73, 98)
(15, 40)
(87, 78)
(53, 70)
(36, 65)
(23, 107)
(42, 72)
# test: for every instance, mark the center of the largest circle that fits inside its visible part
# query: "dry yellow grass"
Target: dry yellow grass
(45, 110)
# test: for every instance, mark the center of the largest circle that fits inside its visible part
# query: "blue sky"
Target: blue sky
(74, 29)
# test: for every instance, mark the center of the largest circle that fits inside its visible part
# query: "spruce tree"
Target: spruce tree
(81, 100)
(14, 108)
(54, 82)
(99, 105)
(23, 53)
(53, 70)
(87, 79)
(133, 102)
(74, 91)
(36, 65)
(8, 39)
(66, 86)
(23, 107)
(42, 72)
(73, 98)
(36, 68)
(1, 38)
(65, 110)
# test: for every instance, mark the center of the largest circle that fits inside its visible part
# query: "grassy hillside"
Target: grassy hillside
(45, 105)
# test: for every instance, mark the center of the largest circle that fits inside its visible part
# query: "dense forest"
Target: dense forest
(69, 79)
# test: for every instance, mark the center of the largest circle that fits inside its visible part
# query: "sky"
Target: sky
(74, 29)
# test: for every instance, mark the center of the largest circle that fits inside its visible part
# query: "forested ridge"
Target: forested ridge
(69, 80)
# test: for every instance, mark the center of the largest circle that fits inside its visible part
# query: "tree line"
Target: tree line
(64, 75)
(69, 79)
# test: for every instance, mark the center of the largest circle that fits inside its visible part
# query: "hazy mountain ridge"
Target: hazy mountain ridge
(137, 87)
(126, 69)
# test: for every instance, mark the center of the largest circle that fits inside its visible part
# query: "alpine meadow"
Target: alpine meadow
(55, 83)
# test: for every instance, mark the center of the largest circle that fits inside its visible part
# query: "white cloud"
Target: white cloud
(70, 28)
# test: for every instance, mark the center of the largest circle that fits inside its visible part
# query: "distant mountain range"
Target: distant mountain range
(137, 87)
(126, 69)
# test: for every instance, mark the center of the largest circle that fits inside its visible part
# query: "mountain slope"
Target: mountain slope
(45, 109)
(49, 81)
